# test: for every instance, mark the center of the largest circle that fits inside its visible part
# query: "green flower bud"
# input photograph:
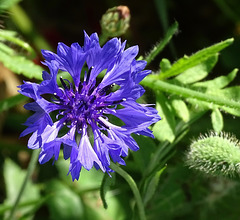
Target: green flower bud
(216, 154)
(115, 21)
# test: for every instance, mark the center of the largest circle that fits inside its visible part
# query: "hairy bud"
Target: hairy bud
(216, 154)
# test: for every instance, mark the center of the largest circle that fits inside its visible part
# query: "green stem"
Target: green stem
(30, 170)
(154, 84)
(133, 187)
(161, 45)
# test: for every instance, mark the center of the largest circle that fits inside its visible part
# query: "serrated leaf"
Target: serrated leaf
(197, 72)
(14, 177)
(217, 120)
(165, 65)
(21, 65)
(180, 109)
(219, 82)
(64, 203)
(152, 186)
(188, 62)
(164, 129)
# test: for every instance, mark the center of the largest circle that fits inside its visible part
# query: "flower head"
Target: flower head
(78, 115)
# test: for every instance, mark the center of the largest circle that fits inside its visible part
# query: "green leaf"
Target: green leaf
(107, 182)
(6, 49)
(161, 45)
(64, 203)
(10, 36)
(21, 65)
(165, 65)
(90, 180)
(152, 186)
(217, 120)
(180, 109)
(12, 101)
(14, 177)
(188, 62)
(219, 82)
(197, 72)
(143, 156)
(8, 103)
(6, 4)
(164, 129)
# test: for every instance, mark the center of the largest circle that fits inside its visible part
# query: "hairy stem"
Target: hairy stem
(188, 93)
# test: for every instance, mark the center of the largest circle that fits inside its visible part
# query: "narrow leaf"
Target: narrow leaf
(164, 129)
(187, 62)
(180, 109)
(107, 182)
(161, 45)
(197, 72)
(152, 186)
(217, 120)
(219, 82)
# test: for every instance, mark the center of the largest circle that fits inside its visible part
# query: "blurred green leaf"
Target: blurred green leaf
(165, 65)
(197, 72)
(14, 177)
(107, 182)
(152, 185)
(180, 109)
(11, 36)
(218, 82)
(186, 62)
(21, 65)
(6, 4)
(164, 129)
(217, 120)
(143, 155)
(64, 203)
(10, 102)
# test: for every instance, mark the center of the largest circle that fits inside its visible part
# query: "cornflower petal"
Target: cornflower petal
(68, 114)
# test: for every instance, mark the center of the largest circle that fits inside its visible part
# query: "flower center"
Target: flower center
(82, 105)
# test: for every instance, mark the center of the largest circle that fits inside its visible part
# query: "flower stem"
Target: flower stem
(133, 187)
(30, 170)
(154, 84)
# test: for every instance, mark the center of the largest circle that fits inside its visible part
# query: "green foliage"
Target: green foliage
(15, 62)
(14, 178)
(186, 62)
(6, 4)
(158, 185)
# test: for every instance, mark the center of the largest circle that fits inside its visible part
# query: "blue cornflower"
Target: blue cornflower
(78, 114)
